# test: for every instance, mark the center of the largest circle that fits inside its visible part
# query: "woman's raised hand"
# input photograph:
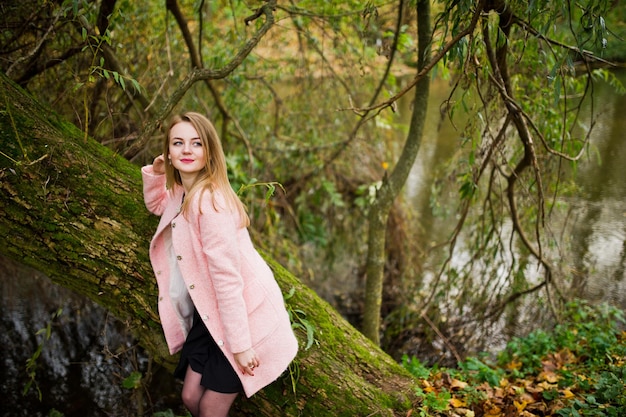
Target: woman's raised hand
(158, 166)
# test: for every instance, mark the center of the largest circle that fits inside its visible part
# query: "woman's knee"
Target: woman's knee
(191, 397)
(192, 391)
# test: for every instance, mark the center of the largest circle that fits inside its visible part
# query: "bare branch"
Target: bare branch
(36, 49)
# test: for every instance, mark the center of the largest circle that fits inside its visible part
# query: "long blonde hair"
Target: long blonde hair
(214, 175)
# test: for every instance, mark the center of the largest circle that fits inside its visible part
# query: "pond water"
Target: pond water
(89, 354)
(591, 233)
(598, 234)
(589, 229)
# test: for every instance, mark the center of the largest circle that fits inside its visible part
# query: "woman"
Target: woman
(218, 300)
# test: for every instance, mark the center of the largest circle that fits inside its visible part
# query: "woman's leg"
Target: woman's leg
(192, 391)
(215, 404)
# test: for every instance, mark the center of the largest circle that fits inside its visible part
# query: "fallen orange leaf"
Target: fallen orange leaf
(457, 403)
(493, 411)
(427, 386)
(514, 365)
(548, 376)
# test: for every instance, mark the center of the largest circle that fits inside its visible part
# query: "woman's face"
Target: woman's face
(186, 151)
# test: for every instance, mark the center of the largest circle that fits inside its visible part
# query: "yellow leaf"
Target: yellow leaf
(514, 365)
(548, 376)
(457, 384)
(520, 405)
(527, 398)
(427, 386)
(567, 394)
(457, 403)
(494, 411)
(546, 386)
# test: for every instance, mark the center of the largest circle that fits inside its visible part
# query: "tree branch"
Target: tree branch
(198, 74)
(500, 78)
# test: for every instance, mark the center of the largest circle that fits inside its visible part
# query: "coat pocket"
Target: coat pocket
(263, 315)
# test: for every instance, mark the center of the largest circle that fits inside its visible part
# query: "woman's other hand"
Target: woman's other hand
(247, 361)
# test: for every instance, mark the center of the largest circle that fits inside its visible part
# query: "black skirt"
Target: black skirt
(206, 358)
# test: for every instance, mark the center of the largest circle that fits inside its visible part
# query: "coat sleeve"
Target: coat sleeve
(154, 191)
(218, 231)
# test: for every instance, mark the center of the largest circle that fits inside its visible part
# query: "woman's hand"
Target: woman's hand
(247, 361)
(158, 166)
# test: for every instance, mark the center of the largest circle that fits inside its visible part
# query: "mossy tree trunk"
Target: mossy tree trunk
(73, 210)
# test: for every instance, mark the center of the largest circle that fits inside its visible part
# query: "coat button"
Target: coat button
(220, 342)
(160, 298)
(158, 272)
(205, 317)
(180, 258)
(173, 225)
(191, 287)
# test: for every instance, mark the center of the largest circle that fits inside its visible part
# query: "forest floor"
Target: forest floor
(577, 369)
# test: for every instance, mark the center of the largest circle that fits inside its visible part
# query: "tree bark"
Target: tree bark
(392, 184)
(73, 209)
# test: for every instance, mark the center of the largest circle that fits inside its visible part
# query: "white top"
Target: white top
(178, 289)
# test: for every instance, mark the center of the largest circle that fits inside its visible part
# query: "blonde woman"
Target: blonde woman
(219, 303)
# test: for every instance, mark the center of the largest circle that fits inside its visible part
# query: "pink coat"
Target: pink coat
(230, 284)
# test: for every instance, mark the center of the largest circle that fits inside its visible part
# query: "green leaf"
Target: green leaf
(310, 335)
(270, 191)
(132, 381)
(136, 85)
(290, 294)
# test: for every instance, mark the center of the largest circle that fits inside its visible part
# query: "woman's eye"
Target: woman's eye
(177, 142)
(198, 143)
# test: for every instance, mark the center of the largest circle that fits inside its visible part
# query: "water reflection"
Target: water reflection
(592, 230)
(599, 215)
